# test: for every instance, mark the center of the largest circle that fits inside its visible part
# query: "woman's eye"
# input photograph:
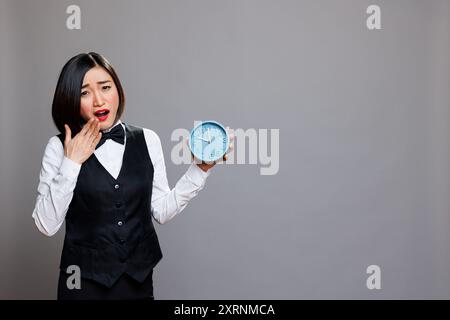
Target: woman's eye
(84, 93)
(106, 87)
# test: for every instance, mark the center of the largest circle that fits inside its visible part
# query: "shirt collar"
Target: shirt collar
(116, 124)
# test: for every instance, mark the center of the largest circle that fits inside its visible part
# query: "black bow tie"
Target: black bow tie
(117, 134)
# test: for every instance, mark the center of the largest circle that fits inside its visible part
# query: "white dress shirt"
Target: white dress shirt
(59, 174)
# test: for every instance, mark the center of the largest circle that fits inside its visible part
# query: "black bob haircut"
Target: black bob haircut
(66, 101)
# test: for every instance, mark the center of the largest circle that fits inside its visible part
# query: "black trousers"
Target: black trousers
(126, 288)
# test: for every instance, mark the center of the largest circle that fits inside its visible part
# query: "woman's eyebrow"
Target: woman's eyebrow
(100, 82)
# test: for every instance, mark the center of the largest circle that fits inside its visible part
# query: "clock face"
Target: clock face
(208, 141)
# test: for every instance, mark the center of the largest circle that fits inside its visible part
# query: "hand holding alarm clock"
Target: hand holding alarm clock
(210, 141)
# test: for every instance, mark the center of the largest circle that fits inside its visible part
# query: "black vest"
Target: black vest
(109, 228)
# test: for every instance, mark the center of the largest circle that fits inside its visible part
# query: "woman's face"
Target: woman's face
(99, 97)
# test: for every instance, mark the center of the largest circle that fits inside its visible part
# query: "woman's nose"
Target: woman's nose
(98, 101)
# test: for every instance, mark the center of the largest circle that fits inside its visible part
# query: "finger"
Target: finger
(89, 134)
(95, 128)
(92, 125)
(231, 147)
(68, 134)
(86, 127)
(230, 133)
(96, 140)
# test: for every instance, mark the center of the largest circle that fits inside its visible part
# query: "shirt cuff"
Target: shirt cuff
(197, 175)
(69, 168)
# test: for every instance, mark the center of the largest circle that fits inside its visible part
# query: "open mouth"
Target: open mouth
(102, 114)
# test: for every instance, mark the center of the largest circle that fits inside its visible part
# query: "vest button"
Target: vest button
(118, 204)
(116, 186)
(120, 223)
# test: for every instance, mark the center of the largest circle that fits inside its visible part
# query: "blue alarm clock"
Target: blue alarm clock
(209, 141)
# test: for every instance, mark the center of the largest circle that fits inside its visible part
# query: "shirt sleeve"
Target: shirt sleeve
(57, 181)
(166, 203)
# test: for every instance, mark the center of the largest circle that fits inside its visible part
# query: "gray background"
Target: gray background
(364, 140)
